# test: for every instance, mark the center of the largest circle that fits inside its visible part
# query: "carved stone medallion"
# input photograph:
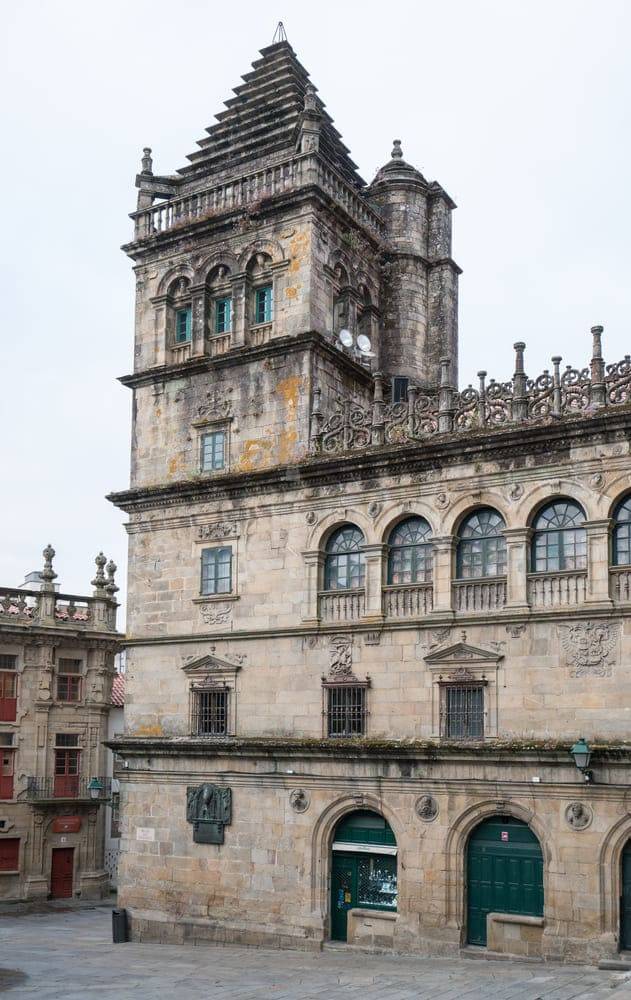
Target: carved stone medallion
(578, 815)
(299, 800)
(589, 646)
(442, 501)
(426, 808)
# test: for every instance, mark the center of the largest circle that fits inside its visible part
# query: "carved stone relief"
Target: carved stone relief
(299, 800)
(218, 531)
(426, 808)
(578, 816)
(216, 614)
(341, 662)
(589, 647)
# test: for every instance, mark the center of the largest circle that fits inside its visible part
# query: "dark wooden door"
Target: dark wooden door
(61, 872)
(625, 901)
(66, 774)
(343, 893)
(504, 873)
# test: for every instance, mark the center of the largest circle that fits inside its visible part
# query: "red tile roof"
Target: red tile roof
(118, 690)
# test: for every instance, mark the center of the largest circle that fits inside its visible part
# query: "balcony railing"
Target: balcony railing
(620, 584)
(34, 607)
(557, 590)
(67, 786)
(412, 601)
(258, 335)
(479, 595)
(219, 344)
(341, 605)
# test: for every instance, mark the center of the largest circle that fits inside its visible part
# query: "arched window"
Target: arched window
(410, 552)
(344, 560)
(622, 533)
(182, 312)
(481, 545)
(560, 540)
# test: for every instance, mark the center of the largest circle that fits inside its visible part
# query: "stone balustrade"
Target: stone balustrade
(341, 605)
(412, 601)
(620, 584)
(36, 608)
(219, 344)
(557, 590)
(255, 336)
(479, 595)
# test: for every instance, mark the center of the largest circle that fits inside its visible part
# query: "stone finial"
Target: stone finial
(147, 162)
(110, 586)
(99, 580)
(397, 152)
(48, 574)
(310, 99)
(597, 347)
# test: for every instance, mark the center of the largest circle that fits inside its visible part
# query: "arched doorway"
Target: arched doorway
(504, 873)
(625, 899)
(363, 868)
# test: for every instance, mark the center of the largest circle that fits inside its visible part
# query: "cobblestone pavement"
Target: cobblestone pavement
(70, 955)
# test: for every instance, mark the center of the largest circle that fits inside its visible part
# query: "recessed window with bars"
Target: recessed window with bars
(462, 711)
(69, 680)
(209, 712)
(345, 710)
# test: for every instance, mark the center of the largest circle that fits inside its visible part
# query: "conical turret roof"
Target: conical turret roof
(263, 118)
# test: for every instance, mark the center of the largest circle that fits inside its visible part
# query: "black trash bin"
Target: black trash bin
(119, 926)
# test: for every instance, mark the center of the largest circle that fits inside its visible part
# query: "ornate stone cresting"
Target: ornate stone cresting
(353, 424)
(588, 647)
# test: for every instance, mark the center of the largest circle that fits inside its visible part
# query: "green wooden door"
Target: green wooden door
(343, 893)
(504, 873)
(625, 901)
(367, 879)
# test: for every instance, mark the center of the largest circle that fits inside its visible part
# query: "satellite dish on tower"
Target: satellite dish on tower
(346, 338)
(364, 346)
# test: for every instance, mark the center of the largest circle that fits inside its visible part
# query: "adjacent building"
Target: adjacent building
(56, 669)
(371, 613)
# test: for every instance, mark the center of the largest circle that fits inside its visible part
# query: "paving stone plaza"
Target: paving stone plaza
(69, 954)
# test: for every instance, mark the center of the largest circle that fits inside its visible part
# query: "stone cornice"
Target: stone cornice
(514, 443)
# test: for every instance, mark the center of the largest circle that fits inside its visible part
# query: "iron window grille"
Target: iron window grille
(622, 534)
(481, 546)
(462, 710)
(410, 553)
(346, 710)
(213, 451)
(69, 680)
(344, 559)
(216, 570)
(560, 540)
(209, 712)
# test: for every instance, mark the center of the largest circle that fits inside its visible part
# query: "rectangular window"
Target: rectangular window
(217, 570)
(6, 773)
(263, 305)
(210, 713)
(9, 854)
(183, 322)
(67, 740)
(400, 389)
(69, 680)
(346, 710)
(67, 767)
(8, 687)
(223, 315)
(463, 711)
(213, 450)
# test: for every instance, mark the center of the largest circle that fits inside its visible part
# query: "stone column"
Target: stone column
(239, 309)
(198, 311)
(444, 549)
(373, 559)
(598, 562)
(314, 562)
(517, 546)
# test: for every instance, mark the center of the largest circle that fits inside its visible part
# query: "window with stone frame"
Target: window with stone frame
(345, 708)
(7, 765)
(216, 570)
(180, 312)
(67, 765)
(481, 549)
(559, 541)
(69, 679)
(264, 304)
(213, 445)
(410, 552)
(344, 559)
(9, 854)
(223, 315)
(621, 534)
(462, 710)
(8, 687)
(210, 710)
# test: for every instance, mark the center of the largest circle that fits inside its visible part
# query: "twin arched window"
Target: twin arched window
(410, 552)
(481, 547)
(344, 559)
(560, 540)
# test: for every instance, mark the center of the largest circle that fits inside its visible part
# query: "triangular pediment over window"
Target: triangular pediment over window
(461, 653)
(210, 665)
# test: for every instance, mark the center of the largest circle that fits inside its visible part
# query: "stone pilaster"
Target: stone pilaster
(598, 533)
(314, 561)
(444, 549)
(517, 547)
(373, 558)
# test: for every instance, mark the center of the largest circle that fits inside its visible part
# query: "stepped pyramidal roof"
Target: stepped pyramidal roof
(262, 121)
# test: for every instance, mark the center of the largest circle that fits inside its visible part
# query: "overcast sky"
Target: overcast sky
(519, 109)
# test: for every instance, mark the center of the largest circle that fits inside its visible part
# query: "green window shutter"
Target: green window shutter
(264, 305)
(223, 315)
(183, 324)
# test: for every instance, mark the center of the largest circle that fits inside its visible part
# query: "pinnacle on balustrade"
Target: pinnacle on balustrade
(48, 574)
(397, 152)
(110, 586)
(598, 391)
(147, 162)
(556, 392)
(99, 580)
(310, 99)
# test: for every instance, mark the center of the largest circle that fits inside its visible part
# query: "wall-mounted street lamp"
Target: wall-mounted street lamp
(95, 788)
(582, 756)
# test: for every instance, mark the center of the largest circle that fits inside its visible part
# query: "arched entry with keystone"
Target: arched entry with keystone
(363, 868)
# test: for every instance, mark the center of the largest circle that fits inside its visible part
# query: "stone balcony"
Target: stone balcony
(473, 596)
(341, 605)
(557, 590)
(410, 601)
(620, 584)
